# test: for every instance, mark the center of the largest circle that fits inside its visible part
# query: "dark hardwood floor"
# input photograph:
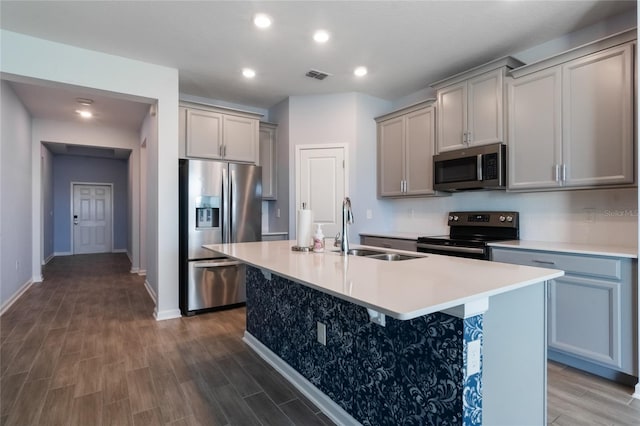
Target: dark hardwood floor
(83, 348)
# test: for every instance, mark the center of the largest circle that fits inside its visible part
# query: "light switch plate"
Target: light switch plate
(473, 357)
(322, 333)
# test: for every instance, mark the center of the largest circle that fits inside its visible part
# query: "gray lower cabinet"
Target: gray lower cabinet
(275, 236)
(591, 314)
(387, 242)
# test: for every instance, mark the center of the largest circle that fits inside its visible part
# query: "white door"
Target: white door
(321, 185)
(91, 219)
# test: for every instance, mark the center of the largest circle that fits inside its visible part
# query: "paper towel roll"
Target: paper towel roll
(304, 228)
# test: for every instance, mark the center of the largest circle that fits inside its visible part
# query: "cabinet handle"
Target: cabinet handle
(469, 138)
(464, 138)
(224, 150)
(544, 262)
(479, 167)
(556, 172)
(404, 182)
(564, 172)
(220, 151)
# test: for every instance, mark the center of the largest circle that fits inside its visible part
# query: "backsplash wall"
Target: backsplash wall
(606, 216)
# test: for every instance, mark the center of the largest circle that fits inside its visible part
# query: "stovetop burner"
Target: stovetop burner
(469, 233)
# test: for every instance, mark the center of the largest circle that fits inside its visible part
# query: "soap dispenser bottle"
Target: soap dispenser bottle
(318, 239)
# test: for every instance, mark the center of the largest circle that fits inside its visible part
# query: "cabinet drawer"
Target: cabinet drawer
(595, 266)
(392, 243)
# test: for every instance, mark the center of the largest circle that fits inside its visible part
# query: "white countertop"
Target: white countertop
(402, 289)
(578, 248)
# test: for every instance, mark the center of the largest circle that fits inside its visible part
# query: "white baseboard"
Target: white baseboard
(6, 305)
(165, 315)
(636, 394)
(142, 272)
(332, 410)
(151, 292)
(134, 271)
(119, 251)
(48, 259)
(62, 253)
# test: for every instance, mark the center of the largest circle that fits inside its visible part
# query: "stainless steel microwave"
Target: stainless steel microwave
(480, 167)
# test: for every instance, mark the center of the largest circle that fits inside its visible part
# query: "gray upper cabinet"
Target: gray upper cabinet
(470, 106)
(592, 321)
(570, 121)
(218, 134)
(405, 152)
(268, 160)
(204, 134)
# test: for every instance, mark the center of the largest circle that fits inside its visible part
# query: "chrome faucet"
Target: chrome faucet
(347, 218)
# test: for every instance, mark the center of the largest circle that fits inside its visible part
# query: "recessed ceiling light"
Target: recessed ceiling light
(360, 71)
(84, 101)
(262, 21)
(84, 113)
(248, 72)
(321, 36)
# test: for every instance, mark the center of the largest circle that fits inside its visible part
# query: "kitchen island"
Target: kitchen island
(431, 340)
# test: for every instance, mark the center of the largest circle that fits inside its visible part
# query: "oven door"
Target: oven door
(481, 253)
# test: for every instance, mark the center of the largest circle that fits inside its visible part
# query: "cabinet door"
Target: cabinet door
(585, 317)
(392, 243)
(419, 146)
(240, 139)
(267, 161)
(452, 117)
(598, 120)
(204, 134)
(390, 157)
(535, 130)
(484, 109)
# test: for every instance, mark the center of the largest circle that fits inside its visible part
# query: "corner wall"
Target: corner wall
(28, 58)
(15, 197)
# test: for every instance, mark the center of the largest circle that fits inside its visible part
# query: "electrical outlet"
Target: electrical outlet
(322, 333)
(473, 357)
(369, 214)
(589, 215)
(277, 212)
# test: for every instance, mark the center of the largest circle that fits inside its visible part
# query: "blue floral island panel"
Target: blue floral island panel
(407, 373)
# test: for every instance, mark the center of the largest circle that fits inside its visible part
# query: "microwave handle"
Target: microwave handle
(479, 166)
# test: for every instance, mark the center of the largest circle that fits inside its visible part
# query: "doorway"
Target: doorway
(321, 183)
(92, 216)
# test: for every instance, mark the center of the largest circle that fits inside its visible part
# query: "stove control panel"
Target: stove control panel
(484, 219)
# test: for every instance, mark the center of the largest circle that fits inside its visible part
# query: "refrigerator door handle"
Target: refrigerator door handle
(232, 206)
(216, 264)
(226, 217)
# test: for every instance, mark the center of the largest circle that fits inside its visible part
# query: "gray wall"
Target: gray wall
(67, 169)
(15, 196)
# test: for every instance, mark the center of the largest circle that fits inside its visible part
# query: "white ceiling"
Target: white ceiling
(405, 44)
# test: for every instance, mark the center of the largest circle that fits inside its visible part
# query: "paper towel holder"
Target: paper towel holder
(302, 248)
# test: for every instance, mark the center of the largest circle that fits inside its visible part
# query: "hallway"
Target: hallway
(83, 348)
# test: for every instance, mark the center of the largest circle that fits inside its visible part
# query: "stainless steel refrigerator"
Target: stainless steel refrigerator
(219, 202)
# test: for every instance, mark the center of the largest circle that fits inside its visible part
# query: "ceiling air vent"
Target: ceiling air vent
(318, 75)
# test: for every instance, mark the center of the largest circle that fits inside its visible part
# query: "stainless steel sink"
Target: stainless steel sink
(392, 257)
(364, 252)
(380, 255)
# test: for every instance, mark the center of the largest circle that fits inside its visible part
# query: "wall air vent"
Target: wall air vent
(318, 75)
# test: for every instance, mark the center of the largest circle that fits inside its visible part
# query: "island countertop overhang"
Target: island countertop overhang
(403, 289)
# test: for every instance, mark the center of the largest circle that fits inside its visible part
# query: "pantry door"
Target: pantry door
(321, 183)
(91, 218)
